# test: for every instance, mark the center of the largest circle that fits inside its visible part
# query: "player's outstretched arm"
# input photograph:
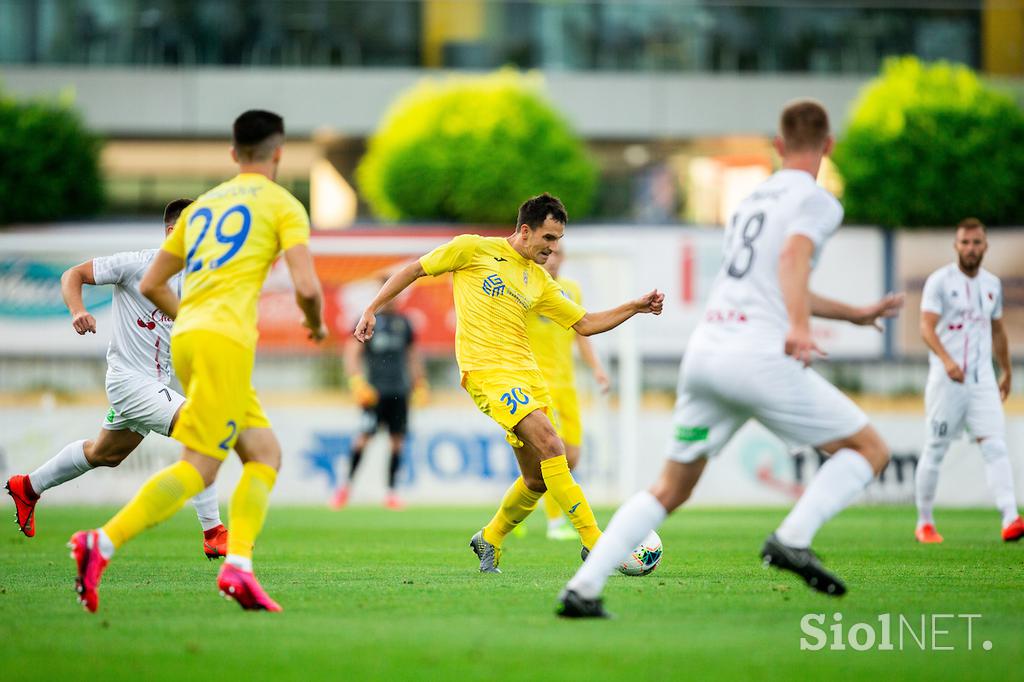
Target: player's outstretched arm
(308, 294)
(931, 339)
(794, 278)
(868, 315)
(154, 283)
(1001, 349)
(395, 285)
(597, 323)
(71, 290)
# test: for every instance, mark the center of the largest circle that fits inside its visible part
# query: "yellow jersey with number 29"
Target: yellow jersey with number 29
(494, 289)
(229, 237)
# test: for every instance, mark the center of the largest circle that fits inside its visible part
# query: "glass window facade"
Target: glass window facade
(585, 35)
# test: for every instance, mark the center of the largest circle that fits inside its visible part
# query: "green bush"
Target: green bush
(929, 145)
(49, 163)
(470, 149)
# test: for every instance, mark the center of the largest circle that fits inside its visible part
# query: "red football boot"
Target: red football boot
(234, 583)
(1015, 531)
(85, 550)
(340, 499)
(927, 534)
(215, 542)
(20, 490)
(394, 502)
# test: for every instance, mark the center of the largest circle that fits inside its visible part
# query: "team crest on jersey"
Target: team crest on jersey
(493, 285)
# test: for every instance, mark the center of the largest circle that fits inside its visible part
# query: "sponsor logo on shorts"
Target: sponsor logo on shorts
(110, 416)
(494, 286)
(691, 434)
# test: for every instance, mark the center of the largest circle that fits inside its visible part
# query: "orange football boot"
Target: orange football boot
(215, 542)
(927, 534)
(1015, 531)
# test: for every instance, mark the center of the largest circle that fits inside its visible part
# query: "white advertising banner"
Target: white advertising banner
(612, 263)
(457, 456)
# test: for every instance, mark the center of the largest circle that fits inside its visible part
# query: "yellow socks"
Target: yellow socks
(551, 509)
(249, 507)
(517, 504)
(157, 500)
(569, 496)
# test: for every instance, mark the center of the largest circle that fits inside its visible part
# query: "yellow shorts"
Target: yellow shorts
(507, 396)
(566, 406)
(220, 401)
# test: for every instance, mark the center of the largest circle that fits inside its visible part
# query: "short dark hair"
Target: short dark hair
(256, 134)
(804, 125)
(535, 210)
(971, 224)
(174, 209)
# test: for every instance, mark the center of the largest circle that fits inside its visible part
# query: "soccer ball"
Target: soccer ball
(645, 558)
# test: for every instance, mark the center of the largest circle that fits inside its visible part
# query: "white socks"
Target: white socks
(926, 479)
(999, 475)
(207, 507)
(67, 464)
(839, 481)
(641, 514)
(106, 544)
(242, 562)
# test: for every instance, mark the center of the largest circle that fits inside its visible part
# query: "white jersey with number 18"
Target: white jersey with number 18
(745, 311)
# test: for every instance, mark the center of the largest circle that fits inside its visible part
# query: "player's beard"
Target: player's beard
(968, 264)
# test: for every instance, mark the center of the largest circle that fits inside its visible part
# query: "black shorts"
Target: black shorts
(391, 411)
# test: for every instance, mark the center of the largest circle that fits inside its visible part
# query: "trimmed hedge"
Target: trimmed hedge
(49, 163)
(471, 149)
(929, 144)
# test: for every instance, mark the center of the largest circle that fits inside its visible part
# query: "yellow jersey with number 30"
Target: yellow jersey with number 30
(229, 237)
(494, 289)
(552, 344)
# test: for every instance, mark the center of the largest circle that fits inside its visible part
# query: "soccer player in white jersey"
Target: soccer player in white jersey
(138, 385)
(962, 324)
(749, 359)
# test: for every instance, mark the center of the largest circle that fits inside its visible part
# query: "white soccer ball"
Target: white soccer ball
(645, 558)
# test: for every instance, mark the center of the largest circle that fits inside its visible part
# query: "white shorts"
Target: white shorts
(951, 406)
(141, 404)
(718, 392)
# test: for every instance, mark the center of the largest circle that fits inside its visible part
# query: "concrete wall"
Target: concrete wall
(202, 102)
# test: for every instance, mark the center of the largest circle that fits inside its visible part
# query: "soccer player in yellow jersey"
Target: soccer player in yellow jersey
(226, 242)
(552, 347)
(496, 282)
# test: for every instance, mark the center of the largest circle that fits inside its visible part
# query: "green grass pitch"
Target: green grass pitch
(370, 594)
